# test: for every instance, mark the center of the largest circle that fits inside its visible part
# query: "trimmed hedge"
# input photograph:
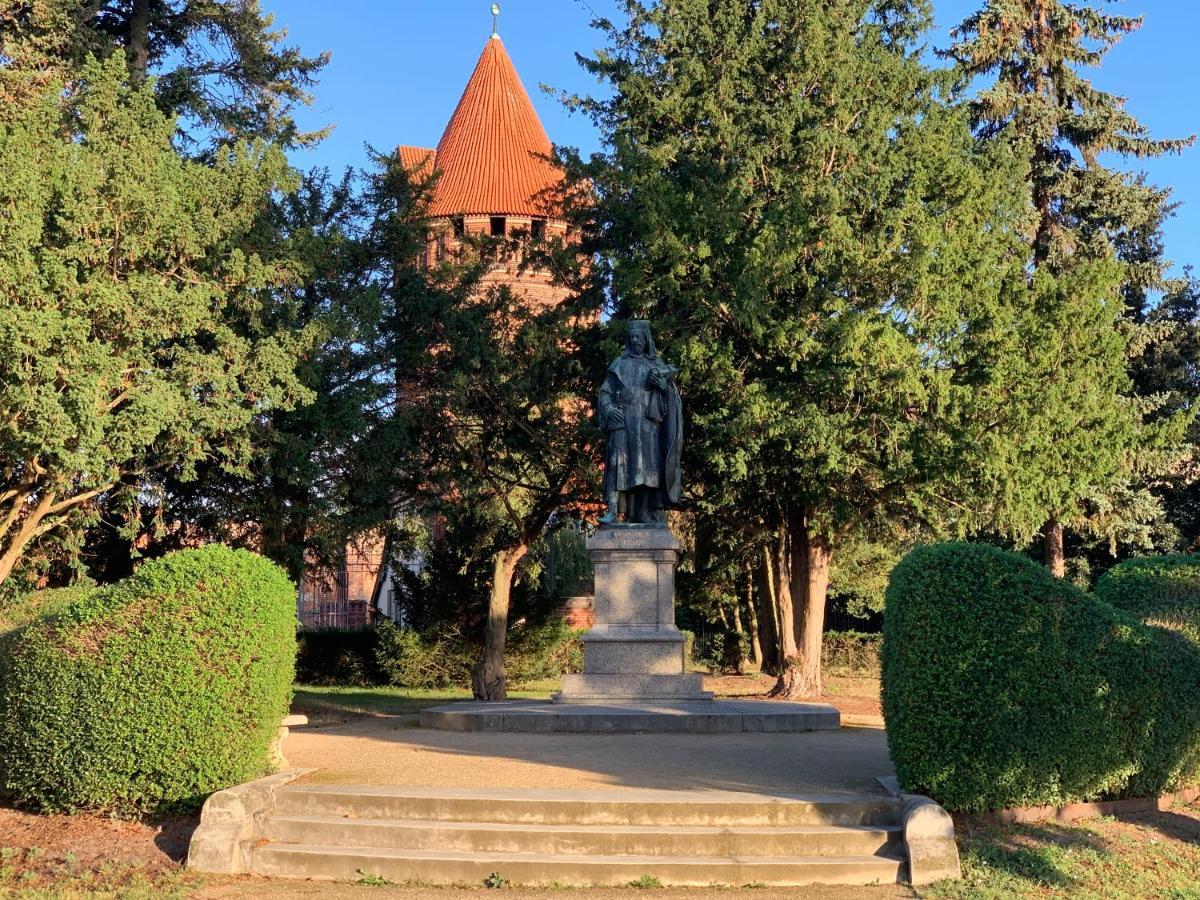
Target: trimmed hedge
(338, 656)
(1158, 590)
(151, 693)
(1003, 687)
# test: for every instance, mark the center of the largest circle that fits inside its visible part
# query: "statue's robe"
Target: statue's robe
(644, 451)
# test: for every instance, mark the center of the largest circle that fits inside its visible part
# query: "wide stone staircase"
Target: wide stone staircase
(540, 837)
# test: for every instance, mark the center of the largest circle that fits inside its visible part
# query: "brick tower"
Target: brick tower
(494, 176)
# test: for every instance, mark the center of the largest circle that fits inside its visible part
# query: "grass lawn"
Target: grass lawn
(1140, 856)
(392, 701)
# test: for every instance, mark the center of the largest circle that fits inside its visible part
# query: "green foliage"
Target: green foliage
(542, 652)
(1003, 686)
(1093, 237)
(495, 881)
(1158, 590)
(407, 659)
(722, 652)
(851, 652)
(220, 65)
(129, 318)
(151, 693)
(645, 882)
(689, 648)
(338, 656)
(831, 258)
(444, 658)
(319, 474)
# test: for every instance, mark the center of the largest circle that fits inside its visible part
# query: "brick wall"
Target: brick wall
(579, 612)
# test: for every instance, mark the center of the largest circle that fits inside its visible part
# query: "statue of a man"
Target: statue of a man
(642, 418)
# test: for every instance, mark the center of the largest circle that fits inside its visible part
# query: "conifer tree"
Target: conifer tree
(1091, 240)
(123, 275)
(220, 65)
(829, 257)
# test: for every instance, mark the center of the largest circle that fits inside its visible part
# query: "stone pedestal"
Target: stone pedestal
(634, 653)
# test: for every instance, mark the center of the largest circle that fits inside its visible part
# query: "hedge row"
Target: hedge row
(390, 654)
(151, 693)
(1003, 686)
(851, 652)
(1158, 590)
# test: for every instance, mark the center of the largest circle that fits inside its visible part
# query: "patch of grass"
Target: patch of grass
(391, 701)
(495, 881)
(1150, 855)
(50, 880)
(370, 879)
(646, 882)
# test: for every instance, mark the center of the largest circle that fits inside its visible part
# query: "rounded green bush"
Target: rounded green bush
(1159, 590)
(151, 693)
(1004, 686)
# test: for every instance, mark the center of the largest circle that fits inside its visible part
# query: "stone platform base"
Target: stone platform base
(713, 717)
(637, 689)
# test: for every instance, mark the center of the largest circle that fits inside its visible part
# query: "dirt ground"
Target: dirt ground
(853, 695)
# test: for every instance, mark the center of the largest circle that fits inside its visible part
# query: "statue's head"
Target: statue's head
(638, 340)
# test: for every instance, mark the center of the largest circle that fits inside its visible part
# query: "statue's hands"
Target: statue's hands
(614, 420)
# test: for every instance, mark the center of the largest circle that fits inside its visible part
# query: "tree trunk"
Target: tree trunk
(1052, 545)
(139, 40)
(811, 558)
(783, 582)
(756, 650)
(768, 622)
(739, 630)
(808, 581)
(488, 681)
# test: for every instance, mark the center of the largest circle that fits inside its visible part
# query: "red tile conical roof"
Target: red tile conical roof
(492, 154)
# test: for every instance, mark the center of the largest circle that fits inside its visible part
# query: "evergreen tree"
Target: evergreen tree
(122, 273)
(831, 259)
(1170, 368)
(1092, 237)
(314, 483)
(220, 65)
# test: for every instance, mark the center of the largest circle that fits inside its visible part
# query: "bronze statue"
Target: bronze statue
(641, 416)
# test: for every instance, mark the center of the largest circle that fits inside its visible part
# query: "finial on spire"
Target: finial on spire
(495, 20)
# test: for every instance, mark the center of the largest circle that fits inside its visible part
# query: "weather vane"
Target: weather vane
(495, 20)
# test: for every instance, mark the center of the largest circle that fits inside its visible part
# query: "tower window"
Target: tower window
(498, 223)
(537, 229)
(460, 227)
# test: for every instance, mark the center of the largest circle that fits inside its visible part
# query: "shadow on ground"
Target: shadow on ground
(391, 750)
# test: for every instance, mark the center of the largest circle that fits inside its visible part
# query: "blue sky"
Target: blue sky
(399, 67)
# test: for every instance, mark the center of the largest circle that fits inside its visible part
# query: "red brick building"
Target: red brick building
(494, 175)
(494, 178)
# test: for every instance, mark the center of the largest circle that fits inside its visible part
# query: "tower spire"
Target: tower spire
(495, 20)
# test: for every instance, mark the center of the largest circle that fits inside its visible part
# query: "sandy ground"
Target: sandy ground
(392, 750)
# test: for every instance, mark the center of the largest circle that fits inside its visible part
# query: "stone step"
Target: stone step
(576, 840)
(550, 807)
(460, 867)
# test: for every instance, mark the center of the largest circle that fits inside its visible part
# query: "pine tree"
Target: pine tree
(1088, 237)
(832, 260)
(220, 65)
